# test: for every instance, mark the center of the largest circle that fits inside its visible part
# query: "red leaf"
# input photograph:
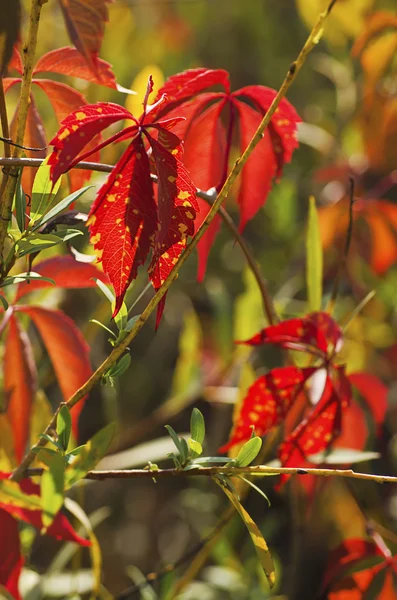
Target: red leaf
(322, 425)
(34, 138)
(204, 157)
(85, 21)
(123, 219)
(16, 61)
(374, 393)
(311, 333)
(60, 529)
(354, 432)
(11, 560)
(177, 208)
(78, 129)
(68, 61)
(348, 553)
(268, 401)
(8, 82)
(67, 349)
(260, 169)
(67, 273)
(283, 125)
(19, 383)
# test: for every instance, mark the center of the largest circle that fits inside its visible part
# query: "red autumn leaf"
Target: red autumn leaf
(85, 21)
(354, 432)
(19, 383)
(313, 333)
(321, 426)
(267, 402)
(8, 82)
(184, 92)
(123, 219)
(68, 61)
(374, 393)
(67, 349)
(11, 560)
(60, 528)
(67, 273)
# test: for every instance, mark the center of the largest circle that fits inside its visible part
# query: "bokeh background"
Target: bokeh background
(348, 103)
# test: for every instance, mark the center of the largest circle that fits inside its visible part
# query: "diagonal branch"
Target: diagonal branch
(119, 350)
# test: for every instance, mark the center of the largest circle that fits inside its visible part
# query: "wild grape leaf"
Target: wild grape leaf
(67, 349)
(9, 30)
(60, 529)
(20, 382)
(67, 273)
(68, 61)
(267, 402)
(11, 560)
(123, 219)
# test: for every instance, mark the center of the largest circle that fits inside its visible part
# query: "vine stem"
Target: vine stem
(29, 52)
(119, 350)
(256, 470)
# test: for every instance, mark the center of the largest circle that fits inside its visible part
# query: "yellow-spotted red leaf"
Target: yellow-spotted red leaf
(67, 273)
(267, 403)
(11, 560)
(123, 219)
(177, 208)
(67, 349)
(20, 381)
(68, 61)
(77, 131)
(85, 21)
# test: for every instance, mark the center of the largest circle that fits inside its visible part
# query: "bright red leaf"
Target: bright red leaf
(67, 273)
(20, 382)
(185, 93)
(85, 21)
(125, 220)
(60, 528)
(374, 393)
(67, 349)
(10, 554)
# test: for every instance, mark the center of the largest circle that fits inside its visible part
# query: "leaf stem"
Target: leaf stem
(119, 350)
(29, 51)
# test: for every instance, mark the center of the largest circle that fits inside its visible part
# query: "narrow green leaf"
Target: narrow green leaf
(89, 456)
(52, 488)
(261, 547)
(121, 318)
(43, 192)
(64, 427)
(105, 290)
(120, 367)
(314, 259)
(63, 205)
(195, 448)
(256, 488)
(20, 203)
(31, 275)
(175, 438)
(248, 452)
(184, 451)
(197, 426)
(36, 242)
(4, 302)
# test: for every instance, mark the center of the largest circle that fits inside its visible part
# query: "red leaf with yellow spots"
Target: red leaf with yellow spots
(267, 402)
(123, 219)
(321, 426)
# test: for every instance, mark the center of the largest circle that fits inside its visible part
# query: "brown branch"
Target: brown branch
(119, 350)
(257, 470)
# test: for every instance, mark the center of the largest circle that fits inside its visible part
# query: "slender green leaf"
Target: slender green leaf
(52, 488)
(20, 203)
(197, 426)
(64, 427)
(4, 302)
(31, 275)
(105, 290)
(175, 438)
(89, 456)
(248, 452)
(43, 192)
(314, 259)
(120, 367)
(63, 205)
(36, 242)
(256, 488)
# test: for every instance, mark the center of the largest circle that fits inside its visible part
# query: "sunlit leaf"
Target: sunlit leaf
(52, 488)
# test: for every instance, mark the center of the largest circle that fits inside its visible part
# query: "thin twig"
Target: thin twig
(119, 350)
(257, 470)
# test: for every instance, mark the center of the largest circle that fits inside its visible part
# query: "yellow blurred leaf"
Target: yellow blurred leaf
(139, 85)
(345, 21)
(248, 316)
(7, 455)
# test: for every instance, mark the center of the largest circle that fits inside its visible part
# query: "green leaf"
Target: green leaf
(43, 192)
(248, 452)
(20, 203)
(64, 427)
(89, 456)
(120, 367)
(105, 291)
(52, 488)
(197, 426)
(10, 493)
(261, 547)
(314, 259)
(31, 275)
(62, 205)
(121, 318)
(36, 242)
(4, 302)
(256, 488)
(175, 438)
(195, 448)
